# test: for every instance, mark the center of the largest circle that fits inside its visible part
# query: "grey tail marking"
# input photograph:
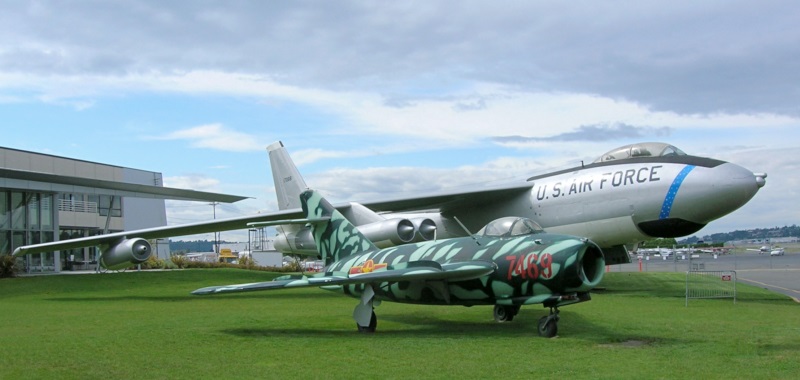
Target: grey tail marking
(288, 181)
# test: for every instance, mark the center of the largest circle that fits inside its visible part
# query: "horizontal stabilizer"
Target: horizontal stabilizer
(252, 287)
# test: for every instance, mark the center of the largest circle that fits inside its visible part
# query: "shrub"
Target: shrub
(153, 263)
(179, 261)
(246, 262)
(293, 266)
(290, 268)
(8, 266)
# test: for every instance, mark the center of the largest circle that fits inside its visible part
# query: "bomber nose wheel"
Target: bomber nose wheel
(503, 313)
(548, 325)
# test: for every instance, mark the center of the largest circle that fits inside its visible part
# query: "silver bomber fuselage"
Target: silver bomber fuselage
(627, 201)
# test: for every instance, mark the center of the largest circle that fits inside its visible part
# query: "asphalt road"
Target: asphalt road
(777, 273)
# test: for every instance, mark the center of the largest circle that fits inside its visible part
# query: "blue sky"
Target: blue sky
(376, 99)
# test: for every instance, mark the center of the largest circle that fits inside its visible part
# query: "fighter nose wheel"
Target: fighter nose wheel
(548, 325)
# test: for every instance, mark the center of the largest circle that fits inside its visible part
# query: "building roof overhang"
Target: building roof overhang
(105, 187)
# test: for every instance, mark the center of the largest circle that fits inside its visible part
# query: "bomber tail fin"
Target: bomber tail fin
(288, 181)
(335, 237)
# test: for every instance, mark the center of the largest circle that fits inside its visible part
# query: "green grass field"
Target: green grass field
(146, 325)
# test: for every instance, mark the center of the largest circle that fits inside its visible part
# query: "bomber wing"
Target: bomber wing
(452, 200)
(162, 232)
(444, 201)
(411, 271)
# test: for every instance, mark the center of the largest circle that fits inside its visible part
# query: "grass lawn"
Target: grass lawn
(146, 325)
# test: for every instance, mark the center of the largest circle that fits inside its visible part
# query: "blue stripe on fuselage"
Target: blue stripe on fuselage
(666, 207)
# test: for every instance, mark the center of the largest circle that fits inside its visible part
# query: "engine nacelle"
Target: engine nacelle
(426, 229)
(390, 232)
(300, 242)
(126, 253)
(385, 233)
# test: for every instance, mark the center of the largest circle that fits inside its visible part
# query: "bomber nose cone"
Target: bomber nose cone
(715, 192)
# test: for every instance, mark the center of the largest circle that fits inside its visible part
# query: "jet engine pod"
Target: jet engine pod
(125, 253)
(300, 242)
(426, 229)
(384, 233)
(390, 232)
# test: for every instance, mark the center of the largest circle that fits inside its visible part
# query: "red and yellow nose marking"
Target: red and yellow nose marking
(367, 267)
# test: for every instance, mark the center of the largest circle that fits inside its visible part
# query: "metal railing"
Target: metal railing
(710, 284)
(77, 206)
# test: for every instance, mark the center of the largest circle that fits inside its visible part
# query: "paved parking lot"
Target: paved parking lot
(777, 273)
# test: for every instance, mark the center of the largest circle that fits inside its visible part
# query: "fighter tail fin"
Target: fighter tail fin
(288, 181)
(336, 238)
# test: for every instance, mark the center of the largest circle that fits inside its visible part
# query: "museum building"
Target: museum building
(45, 197)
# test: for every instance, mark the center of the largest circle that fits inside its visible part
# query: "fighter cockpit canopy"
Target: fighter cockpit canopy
(510, 226)
(650, 149)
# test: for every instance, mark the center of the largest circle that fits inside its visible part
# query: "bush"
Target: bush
(153, 263)
(8, 266)
(214, 265)
(293, 266)
(246, 262)
(179, 261)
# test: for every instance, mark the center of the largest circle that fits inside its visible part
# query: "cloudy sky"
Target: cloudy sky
(385, 98)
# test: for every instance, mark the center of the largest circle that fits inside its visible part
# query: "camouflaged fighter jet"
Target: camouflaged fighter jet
(511, 262)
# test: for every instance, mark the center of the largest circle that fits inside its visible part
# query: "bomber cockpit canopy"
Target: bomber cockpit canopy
(648, 149)
(510, 226)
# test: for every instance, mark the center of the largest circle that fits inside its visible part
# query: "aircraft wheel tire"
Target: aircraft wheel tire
(504, 313)
(548, 327)
(373, 323)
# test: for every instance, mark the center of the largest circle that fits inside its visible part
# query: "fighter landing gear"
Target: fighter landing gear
(503, 313)
(373, 323)
(364, 313)
(548, 325)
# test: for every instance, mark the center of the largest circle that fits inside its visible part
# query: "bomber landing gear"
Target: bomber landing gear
(504, 313)
(548, 325)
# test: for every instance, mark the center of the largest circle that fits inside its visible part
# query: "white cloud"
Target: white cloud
(192, 182)
(216, 137)
(441, 120)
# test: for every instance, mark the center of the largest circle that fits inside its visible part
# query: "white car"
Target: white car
(776, 252)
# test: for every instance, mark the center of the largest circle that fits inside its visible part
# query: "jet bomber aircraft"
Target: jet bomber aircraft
(628, 195)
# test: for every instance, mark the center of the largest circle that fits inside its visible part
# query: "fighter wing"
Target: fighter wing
(162, 232)
(412, 271)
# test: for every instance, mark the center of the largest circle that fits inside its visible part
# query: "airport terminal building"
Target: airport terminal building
(45, 198)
